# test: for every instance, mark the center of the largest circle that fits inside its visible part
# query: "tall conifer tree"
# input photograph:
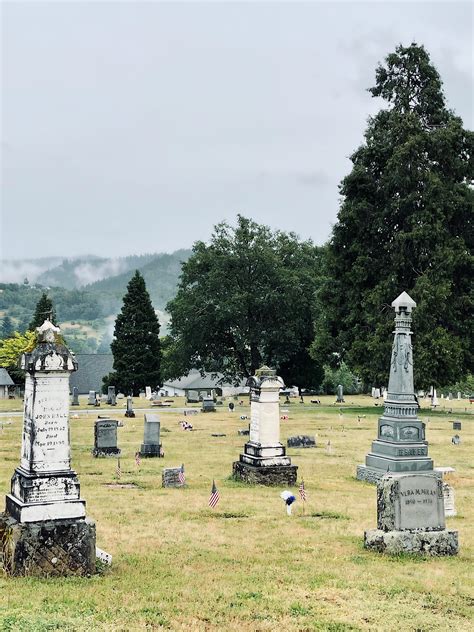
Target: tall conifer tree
(405, 223)
(44, 309)
(136, 346)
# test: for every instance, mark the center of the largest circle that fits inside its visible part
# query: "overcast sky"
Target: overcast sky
(135, 127)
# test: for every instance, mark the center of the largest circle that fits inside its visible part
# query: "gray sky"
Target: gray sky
(135, 127)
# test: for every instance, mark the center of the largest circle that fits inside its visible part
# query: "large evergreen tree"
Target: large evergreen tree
(7, 328)
(136, 345)
(405, 223)
(44, 309)
(243, 300)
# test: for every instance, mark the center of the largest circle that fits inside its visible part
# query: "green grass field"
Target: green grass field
(245, 565)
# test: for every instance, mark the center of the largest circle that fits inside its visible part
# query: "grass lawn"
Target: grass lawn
(245, 565)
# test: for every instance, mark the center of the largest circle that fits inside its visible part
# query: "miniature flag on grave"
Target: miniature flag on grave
(118, 469)
(137, 459)
(289, 500)
(181, 476)
(302, 491)
(214, 497)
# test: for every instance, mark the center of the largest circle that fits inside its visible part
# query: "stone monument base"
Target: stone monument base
(417, 541)
(278, 475)
(150, 450)
(106, 452)
(47, 549)
(374, 475)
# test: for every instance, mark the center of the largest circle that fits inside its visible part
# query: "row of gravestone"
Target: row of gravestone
(105, 438)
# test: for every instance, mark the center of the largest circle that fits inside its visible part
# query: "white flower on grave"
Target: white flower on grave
(289, 499)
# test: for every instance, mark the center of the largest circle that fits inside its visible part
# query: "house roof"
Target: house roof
(194, 381)
(92, 367)
(5, 379)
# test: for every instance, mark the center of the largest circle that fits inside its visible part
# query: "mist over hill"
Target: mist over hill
(87, 292)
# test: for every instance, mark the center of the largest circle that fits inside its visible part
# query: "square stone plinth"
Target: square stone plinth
(46, 549)
(148, 450)
(277, 475)
(435, 543)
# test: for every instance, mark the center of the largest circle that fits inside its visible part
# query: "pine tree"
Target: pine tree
(136, 346)
(405, 223)
(44, 309)
(7, 328)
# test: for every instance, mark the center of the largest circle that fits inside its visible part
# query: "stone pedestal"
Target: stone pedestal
(44, 531)
(264, 459)
(400, 445)
(151, 446)
(47, 548)
(410, 517)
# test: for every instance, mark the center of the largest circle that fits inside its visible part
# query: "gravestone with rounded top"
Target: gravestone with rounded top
(105, 438)
(264, 460)
(75, 396)
(400, 445)
(45, 520)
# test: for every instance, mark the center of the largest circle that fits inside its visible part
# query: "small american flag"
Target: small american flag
(214, 497)
(181, 476)
(302, 491)
(137, 458)
(118, 469)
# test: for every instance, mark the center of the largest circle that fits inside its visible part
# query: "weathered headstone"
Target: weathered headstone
(459, 394)
(148, 392)
(301, 441)
(456, 440)
(105, 438)
(448, 491)
(450, 396)
(376, 393)
(173, 477)
(151, 446)
(410, 517)
(92, 399)
(111, 397)
(75, 396)
(340, 394)
(400, 445)
(264, 459)
(457, 425)
(208, 405)
(129, 412)
(243, 431)
(44, 530)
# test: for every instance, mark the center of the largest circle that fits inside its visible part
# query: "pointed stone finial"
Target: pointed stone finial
(47, 331)
(265, 371)
(404, 301)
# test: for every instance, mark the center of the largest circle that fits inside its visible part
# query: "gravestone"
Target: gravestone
(243, 431)
(301, 441)
(459, 394)
(400, 445)
(75, 396)
(448, 491)
(92, 399)
(456, 440)
(340, 394)
(172, 477)
(264, 459)
(129, 412)
(376, 393)
(450, 396)
(148, 392)
(457, 425)
(111, 397)
(105, 438)
(44, 530)
(208, 405)
(151, 446)
(410, 517)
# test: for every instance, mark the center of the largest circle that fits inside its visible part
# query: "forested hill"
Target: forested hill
(161, 275)
(93, 306)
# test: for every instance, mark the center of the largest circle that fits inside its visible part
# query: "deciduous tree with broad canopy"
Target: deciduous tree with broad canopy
(136, 346)
(405, 223)
(246, 299)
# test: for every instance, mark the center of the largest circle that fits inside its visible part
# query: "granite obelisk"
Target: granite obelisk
(400, 445)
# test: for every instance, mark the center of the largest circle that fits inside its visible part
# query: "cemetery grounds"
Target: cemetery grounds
(245, 565)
